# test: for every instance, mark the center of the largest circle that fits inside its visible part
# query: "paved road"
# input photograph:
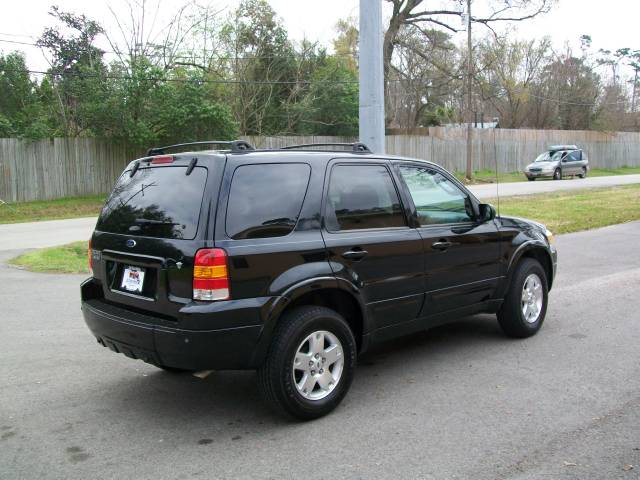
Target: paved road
(57, 232)
(45, 234)
(545, 186)
(458, 402)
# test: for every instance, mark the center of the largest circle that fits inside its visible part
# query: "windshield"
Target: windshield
(549, 156)
(543, 157)
(160, 202)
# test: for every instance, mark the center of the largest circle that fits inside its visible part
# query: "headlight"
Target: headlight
(550, 238)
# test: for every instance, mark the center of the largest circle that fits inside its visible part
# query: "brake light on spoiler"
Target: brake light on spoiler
(210, 275)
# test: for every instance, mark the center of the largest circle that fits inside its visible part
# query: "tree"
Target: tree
(261, 58)
(21, 111)
(509, 71)
(414, 12)
(345, 45)
(424, 79)
(77, 72)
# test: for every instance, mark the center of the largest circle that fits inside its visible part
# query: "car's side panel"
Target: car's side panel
(391, 274)
(468, 271)
(465, 274)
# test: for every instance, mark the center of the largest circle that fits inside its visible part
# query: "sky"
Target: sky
(611, 24)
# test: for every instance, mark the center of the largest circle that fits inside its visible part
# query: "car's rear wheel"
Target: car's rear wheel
(310, 363)
(557, 175)
(525, 304)
(583, 174)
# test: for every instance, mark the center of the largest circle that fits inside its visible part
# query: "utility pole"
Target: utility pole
(469, 172)
(371, 112)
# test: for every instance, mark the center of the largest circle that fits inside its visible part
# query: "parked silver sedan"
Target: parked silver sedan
(558, 162)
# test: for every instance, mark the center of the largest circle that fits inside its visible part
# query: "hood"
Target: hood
(542, 165)
(525, 223)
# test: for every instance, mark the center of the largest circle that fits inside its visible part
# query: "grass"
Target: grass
(571, 211)
(561, 212)
(71, 258)
(51, 209)
(489, 176)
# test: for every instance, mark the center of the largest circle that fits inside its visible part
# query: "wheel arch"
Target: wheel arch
(331, 292)
(537, 251)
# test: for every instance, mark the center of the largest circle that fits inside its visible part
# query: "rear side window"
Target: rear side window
(265, 200)
(362, 196)
(161, 202)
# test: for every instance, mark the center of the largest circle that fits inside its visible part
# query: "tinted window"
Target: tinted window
(158, 202)
(437, 199)
(362, 196)
(265, 200)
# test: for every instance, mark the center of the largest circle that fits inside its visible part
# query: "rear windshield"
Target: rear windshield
(161, 202)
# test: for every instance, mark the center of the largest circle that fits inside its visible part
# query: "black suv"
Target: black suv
(295, 261)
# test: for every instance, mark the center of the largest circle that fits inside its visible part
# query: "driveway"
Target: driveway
(458, 402)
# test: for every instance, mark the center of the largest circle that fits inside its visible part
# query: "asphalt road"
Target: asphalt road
(458, 402)
(547, 185)
(58, 232)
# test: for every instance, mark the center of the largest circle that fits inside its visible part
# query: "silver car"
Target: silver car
(558, 162)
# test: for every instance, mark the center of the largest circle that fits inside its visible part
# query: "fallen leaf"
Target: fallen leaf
(626, 468)
(570, 464)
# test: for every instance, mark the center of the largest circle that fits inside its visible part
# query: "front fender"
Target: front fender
(541, 248)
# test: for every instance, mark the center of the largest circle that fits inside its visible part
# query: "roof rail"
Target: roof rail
(356, 147)
(234, 146)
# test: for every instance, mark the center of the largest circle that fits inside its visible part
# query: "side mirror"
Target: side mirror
(487, 212)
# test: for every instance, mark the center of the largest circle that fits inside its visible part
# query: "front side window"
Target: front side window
(265, 200)
(361, 197)
(437, 199)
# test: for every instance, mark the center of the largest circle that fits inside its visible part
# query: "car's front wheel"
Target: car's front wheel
(310, 363)
(557, 175)
(583, 173)
(525, 304)
(531, 179)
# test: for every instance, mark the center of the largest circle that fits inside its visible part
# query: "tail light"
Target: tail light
(90, 258)
(210, 276)
(160, 159)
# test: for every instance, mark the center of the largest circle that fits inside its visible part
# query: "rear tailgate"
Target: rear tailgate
(150, 229)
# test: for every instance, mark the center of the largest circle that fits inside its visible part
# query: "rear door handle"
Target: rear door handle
(441, 245)
(355, 254)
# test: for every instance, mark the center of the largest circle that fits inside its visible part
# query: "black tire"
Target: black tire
(510, 315)
(584, 173)
(557, 175)
(276, 378)
(531, 179)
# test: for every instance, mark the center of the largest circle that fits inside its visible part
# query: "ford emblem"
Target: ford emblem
(131, 243)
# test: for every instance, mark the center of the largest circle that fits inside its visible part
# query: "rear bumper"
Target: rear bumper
(151, 339)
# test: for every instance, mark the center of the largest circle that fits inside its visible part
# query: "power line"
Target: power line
(185, 80)
(191, 57)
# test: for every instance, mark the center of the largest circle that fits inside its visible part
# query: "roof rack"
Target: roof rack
(356, 147)
(234, 146)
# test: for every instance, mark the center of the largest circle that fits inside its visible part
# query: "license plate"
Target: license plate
(132, 279)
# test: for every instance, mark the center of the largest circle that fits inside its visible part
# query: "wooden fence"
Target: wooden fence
(67, 167)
